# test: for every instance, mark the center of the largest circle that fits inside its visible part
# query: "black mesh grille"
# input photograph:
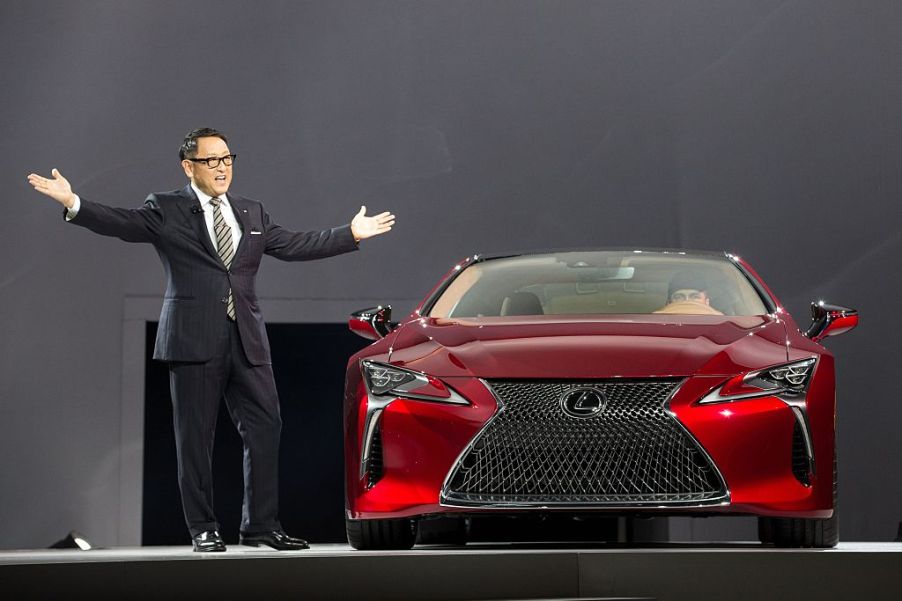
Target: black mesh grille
(374, 462)
(801, 468)
(631, 452)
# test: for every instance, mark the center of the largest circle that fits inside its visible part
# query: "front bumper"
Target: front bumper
(749, 445)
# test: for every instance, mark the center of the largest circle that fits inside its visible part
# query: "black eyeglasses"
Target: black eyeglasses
(213, 162)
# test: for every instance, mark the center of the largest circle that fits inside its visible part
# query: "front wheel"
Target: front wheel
(802, 532)
(381, 534)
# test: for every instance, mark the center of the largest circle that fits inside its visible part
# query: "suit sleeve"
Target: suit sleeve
(132, 225)
(303, 246)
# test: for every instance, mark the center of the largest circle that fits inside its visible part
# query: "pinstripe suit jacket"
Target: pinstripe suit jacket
(197, 282)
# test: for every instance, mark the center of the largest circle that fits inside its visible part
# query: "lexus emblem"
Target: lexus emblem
(583, 402)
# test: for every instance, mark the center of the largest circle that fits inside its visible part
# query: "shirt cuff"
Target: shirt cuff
(73, 211)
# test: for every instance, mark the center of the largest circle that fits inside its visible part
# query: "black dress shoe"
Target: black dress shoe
(276, 539)
(208, 541)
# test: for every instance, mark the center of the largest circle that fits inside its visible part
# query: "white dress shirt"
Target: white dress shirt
(226, 207)
(227, 214)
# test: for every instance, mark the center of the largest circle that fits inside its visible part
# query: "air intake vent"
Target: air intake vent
(801, 467)
(593, 443)
(374, 464)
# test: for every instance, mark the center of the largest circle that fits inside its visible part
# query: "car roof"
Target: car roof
(720, 254)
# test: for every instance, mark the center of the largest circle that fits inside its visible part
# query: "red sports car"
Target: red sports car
(593, 382)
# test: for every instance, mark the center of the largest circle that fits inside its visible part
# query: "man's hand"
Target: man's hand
(363, 227)
(57, 188)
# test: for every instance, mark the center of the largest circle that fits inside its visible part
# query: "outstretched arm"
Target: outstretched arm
(304, 246)
(131, 225)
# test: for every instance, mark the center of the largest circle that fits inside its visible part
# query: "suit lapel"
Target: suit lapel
(196, 220)
(239, 209)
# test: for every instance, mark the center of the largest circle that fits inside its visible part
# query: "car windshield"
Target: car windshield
(606, 282)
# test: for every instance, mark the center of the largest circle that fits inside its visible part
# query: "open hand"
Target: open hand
(364, 227)
(58, 188)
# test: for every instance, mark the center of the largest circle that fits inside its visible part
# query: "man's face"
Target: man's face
(690, 294)
(214, 181)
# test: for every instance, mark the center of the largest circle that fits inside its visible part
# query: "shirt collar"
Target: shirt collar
(205, 198)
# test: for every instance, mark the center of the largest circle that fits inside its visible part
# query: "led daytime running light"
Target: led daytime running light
(790, 379)
(383, 380)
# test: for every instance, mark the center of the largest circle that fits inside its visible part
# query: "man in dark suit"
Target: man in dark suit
(211, 332)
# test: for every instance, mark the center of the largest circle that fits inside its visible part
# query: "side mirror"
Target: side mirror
(830, 320)
(373, 323)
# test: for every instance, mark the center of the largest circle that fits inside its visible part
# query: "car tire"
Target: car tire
(381, 534)
(802, 532)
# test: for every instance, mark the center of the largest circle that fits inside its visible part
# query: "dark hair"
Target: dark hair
(188, 149)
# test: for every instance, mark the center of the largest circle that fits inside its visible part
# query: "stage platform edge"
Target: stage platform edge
(859, 571)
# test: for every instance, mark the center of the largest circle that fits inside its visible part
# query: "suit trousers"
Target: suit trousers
(249, 392)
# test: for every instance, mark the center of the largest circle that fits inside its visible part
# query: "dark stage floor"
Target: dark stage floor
(481, 571)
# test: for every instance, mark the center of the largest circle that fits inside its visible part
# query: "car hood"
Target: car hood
(589, 347)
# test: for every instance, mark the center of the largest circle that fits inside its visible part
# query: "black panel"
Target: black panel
(309, 363)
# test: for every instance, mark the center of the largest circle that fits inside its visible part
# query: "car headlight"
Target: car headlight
(790, 379)
(795, 375)
(384, 380)
(381, 379)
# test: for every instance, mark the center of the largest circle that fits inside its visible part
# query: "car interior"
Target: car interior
(588, 285)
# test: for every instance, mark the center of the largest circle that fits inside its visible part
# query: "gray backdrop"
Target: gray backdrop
(763, 127)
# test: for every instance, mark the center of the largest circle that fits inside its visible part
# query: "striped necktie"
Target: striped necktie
(223, 234)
